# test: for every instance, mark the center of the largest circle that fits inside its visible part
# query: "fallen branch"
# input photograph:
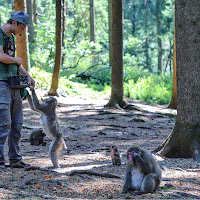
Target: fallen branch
(90, 172)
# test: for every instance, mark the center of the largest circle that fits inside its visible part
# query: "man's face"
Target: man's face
(17, 29)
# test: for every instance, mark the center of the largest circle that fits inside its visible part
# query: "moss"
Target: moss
(183, 142)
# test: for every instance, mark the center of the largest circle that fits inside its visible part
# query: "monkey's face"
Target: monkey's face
(114, 149)
(132, 155)
(130, 158)
(52, 102)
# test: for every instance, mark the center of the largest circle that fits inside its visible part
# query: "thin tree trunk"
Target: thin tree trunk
(92, 21)
(110, 30)
(29, 4)
(147, 37)
(35, 11)
(58, 55)
(159, 41)
(117, 94)
(63, 30)
(22, 41)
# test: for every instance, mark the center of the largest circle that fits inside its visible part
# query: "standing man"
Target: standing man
(11, 116)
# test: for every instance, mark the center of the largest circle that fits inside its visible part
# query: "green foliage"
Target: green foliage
(68, 87)
(82, 58)
(153, 89)
(43, 78)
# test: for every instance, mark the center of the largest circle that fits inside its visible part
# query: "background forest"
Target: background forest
(148, 47)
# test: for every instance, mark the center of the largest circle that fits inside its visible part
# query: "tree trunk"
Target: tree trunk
(184, 141)
(92, 21)
(159, 41)
(173, 103)
(58, 55)
(29, 4)
(35, 11)
(110, 30)
(117, 94)
(63, 30)
(147, 37)
(22, 41)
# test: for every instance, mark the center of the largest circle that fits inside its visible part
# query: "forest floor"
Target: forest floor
(89, 130)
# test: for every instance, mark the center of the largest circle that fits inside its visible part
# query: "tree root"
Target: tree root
(90, 172)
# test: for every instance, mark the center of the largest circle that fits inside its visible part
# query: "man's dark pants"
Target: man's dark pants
(11, 119)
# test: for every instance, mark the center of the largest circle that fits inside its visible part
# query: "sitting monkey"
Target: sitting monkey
(36, 137)
(115, 156)
(49, 122)
(142, 173)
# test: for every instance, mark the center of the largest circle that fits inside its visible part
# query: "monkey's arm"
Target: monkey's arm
(30, 101)
(127, 179)
(142, 164)
(36, 103)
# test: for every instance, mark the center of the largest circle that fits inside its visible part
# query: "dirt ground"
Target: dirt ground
(89, 130)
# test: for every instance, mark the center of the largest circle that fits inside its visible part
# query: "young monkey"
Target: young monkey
(115, 156)
(50, 125)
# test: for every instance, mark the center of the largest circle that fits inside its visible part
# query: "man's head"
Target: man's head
(19, 21)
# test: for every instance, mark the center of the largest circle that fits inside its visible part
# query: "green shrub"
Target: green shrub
(153, 89)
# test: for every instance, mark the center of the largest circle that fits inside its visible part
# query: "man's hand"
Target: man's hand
(24, 72)
(18, 61)
(31, 81)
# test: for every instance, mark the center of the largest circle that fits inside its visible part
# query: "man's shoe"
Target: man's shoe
(2, 165)
(19, 164)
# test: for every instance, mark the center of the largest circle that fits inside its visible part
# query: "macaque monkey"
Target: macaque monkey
(36, 137)
(115, 156)
(50, 125)
(142, 173)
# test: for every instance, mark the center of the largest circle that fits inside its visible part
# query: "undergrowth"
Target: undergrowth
(155, 89)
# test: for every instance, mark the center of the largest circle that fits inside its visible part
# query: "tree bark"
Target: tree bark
(147, 37)
(159, 41)
(184, 140)
(35, 11)
(63, 30)
(117, 94)
(29, 4)
(110, 30)
(22, 41)
(58, 55)
(92, 21)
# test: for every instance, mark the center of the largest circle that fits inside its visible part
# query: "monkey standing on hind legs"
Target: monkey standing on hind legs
(142, 172)
(115, 156)
(49, 122)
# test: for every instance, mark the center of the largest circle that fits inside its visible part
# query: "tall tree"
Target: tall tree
(117, 94)
(29, 4)
(159, 41)
(92, 21)
(184, 140)
(22, 41)
(147, 36)
(63, 29)
(35, 11)
(110, 29)
(58, 55)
